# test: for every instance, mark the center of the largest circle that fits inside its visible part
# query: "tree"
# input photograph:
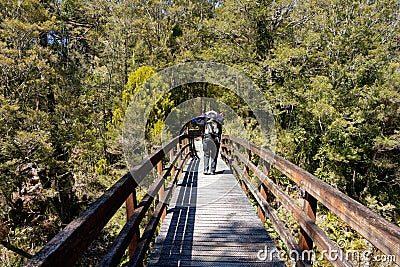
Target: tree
(333, 88)
(27, 152)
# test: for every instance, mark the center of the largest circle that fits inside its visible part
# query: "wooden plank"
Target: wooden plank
(206, 256)
(68, 245)
(218, 246)
(210, 222)
(225, 231)
(143, 245)
(117, 249)
(309, 226)
(381, 233)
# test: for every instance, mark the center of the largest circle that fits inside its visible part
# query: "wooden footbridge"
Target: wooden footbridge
(208, 220)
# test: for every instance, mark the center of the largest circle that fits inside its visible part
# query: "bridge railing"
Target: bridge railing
(70, 244)
(381, 233)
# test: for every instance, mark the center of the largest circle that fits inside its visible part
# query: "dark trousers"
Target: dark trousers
(210, 148)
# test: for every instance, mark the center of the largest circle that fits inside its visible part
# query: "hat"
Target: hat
(215, 116)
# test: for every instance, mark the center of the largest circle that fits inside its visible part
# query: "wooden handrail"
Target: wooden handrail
(381, 233)
(68, 245)
(118, 247)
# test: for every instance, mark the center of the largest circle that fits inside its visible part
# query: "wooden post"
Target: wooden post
(264, 190)
(182, 145)
(244, 188)
(305, 241)
(236, 161)
(171, 157)
(178, 148)
(246, 169)
(261, 213)
(230, 149)
(266, 167)
(159, 167)
(162, 188)
(130, 206)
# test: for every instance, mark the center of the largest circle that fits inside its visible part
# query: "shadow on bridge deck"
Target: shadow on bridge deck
(210, 222)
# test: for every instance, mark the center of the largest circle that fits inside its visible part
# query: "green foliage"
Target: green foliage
(332, 90)
(101, 167)
(384, 210)
(135, 80)
(69, 70)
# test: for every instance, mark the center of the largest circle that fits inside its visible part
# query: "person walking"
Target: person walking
(211, 136)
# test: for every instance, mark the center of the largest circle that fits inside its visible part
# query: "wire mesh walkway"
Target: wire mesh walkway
(210, 222)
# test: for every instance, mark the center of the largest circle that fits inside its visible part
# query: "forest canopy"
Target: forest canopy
(69, 68)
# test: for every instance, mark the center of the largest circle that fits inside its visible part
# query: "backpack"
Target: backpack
(212, 128)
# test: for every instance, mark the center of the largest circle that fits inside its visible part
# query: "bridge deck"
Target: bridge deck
(210, 222)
